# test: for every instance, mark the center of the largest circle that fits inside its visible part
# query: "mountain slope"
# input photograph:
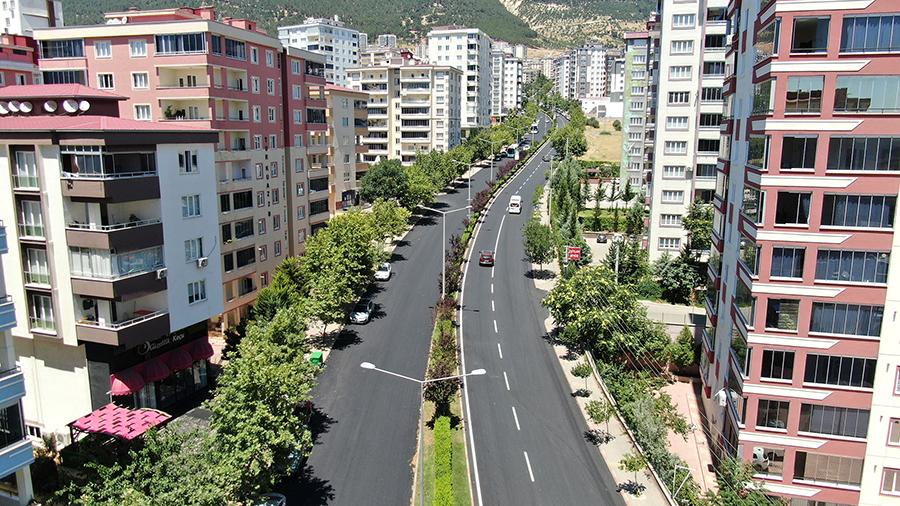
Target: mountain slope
(569, 23)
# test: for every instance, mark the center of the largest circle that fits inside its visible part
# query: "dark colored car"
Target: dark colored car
(486, 257)
(601, 238)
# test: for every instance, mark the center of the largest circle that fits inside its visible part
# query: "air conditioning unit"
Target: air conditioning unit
(160, 274)
(202, 262)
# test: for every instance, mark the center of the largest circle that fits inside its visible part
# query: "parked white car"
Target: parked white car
(384, 272)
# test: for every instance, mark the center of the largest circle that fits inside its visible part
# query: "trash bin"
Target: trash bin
(316, 358)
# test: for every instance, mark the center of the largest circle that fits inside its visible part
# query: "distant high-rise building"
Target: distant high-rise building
(637, 138)
(582, 72)
(387, 40)
(363, 41)
(469, 50)
(506, 88)
(328, 36)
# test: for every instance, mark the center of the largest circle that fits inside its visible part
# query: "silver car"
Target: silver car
(362, 311)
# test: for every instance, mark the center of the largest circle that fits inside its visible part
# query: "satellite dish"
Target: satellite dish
(70, 105)
(26, 107)
(13, 106)
(84, 105)
(50, 106)
(3, 109)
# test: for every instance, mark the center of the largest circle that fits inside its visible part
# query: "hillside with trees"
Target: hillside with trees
(536, 23)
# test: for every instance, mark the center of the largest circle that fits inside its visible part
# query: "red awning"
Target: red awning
(120, 422)
(201, 349)
(155, 370)
(179, 359)
(126, 382)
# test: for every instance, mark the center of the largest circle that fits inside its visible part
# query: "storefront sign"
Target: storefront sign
(175, 338)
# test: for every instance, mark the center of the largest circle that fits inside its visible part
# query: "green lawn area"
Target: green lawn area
(602, 147)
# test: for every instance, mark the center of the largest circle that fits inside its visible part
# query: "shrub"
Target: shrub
(443, 472)
(647, 289)
(683, 352)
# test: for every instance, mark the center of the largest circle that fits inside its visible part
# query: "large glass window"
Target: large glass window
(818, 468)
(764, 97)
(758, 152)
(804, 94)
(798, 152)
(872, 211)
(31, 220)
(772, 414)
(243, 228)
(853, 266)
(864, 153)
(787, 262)
(848, 319)
(871, 33)
(41, 312)
(767, 40)
(810, 35)
(782, 314)
(235, 49)
(856, 372)
(777, 364)
(753, 205)
(242, 199)
(870, 94)
(318, 207)
(792, 208)
(746, 303)
(749, 254)
(100, 263)
(66, 48)
(834, 420)
(181, 43)
(245, 257)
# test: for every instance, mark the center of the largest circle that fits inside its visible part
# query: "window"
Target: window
(804, 94)
(847, 319)
(260, 199)
(193, 249)
(679, 97)
(197, 291)
(834, 420)
(890, 478)
(235, 49)
(636, 121)
(105, 81)
(257, 113)
(275, 196)
(767, 40)
(41, 310)
(254, 84)
(707, 145)
(301, 212)
(67, 48)
(277, 248)
(758, 152)
(270, 86)
(763, 97)
(818, 468)
(871, 33)
(871, 211)
(273, 141)
(272, 115)
(103, 49)
(706, 171)
(810, 35)
(715, 42)
(676, 122)
(318, 184)
(270, 58)
(138, 48)
(711, 94)
(772, 414)
(792, 208)
(869, 94)
(673, 171)
(245, 257)
(783, 314)
(798, 152)
(777, 364)
(242, 199)
(680, 72)
(140, 80)
(190, 206)
(224, 203)
(245, 286)
(787, 262)
(676, 147)
(682, 46)
(273, 169)
(187, 162)
(670, 220)
(708, 120)
(300, 190)
(276, 222)
(257, 142)
(852, 266)
(142, 112)
(635, 136)
(749, 254)
(182, 43)
(301, 235)
(864, 153)
(857, 372)
(318, 207)
(243, 228)
(63, 77)
(263, 253)
(261, 226)
(673, 197)
(226, 233)
(714, 68)
(669, 243)
(683, 20)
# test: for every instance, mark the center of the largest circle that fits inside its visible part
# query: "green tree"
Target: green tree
(617, 125)
(385, 180)
(631, 259)
(633, 462)
(292, 272)
(736, 487)
(233, 336)
(698, 222)
(538, 242)
(582, 370)
(683, 352)
(420, 189)
(634, 219)
(388, 219)
(272, 298)
(677, 277)
(600, 412)
(593, 122)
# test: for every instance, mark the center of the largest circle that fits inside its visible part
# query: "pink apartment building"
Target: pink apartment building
(18, 60)
(267, 102)
(801, 364)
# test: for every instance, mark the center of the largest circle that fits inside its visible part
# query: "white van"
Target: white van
(515, 204)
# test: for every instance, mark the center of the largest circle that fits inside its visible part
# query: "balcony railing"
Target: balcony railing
(45, 324)
(140, 317)
(36, 278)
(116, 226)
(30, 230)
(7, 313)
(101, 175)
(22, 181)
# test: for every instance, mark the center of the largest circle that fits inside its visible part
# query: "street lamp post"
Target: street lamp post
(477, 372)
(468, 186)
(492, 154)
(443, 242)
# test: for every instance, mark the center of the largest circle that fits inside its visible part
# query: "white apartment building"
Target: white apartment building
(363, 41)
(582, 72)
(413, 108)
(469, 50)
(637, 144)
(21, 17)
(506, 89)
(328, 36)
(387, 40)
(690, 71)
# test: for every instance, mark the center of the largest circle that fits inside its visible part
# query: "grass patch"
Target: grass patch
(603, 147)
(460, 469)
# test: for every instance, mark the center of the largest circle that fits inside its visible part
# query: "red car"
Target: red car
(486, 257)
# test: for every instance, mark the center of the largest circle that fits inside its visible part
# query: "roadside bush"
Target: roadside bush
(443, 472)
(647, 289)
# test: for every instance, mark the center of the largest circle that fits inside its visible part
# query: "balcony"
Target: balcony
(144, 326)
(7, 313)
(12, 385)
(112, 188)
(121, 288)
(3, 245)
(26, 182)
(135, 235)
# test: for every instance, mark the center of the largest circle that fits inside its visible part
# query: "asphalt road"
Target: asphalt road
(526, 430)
(366, 423)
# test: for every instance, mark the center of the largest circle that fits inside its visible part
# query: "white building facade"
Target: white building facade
(469, 50)
(328, 36)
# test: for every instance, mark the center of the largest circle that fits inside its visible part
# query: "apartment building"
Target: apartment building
(413, 108)
(376, 55)
(18, 60)
(800, 376)
(637, 136)
(469, 50)
(506, 88)
(268, 104)
(581, 72)
(387, 40)
(690, 69)
(22, 17)
(112, 264)
(347, 126)
(327, 36)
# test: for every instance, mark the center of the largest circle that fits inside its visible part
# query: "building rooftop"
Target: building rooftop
(89, 123)
(30, 91)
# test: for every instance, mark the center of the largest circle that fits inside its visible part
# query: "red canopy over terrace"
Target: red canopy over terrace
(119, 422)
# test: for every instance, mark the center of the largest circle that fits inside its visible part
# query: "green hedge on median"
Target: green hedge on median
(443, 475)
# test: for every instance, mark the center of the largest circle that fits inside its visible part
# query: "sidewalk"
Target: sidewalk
(695, 451)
